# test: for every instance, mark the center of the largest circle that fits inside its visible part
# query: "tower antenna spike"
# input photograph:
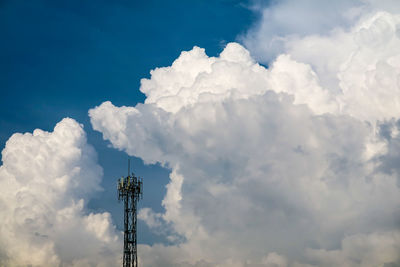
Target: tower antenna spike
(129, 166)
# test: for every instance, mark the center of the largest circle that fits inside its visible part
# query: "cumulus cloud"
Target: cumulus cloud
(291, 165)
(361, 250)
(286, 19)
(45, 180)
(355, 58)
(364, 71)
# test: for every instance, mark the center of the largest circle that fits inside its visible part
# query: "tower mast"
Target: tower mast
(130, 191)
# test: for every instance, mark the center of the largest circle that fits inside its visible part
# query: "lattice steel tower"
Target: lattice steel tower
(130, 190)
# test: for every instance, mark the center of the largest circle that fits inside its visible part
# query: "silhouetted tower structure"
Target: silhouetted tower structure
(130, 191)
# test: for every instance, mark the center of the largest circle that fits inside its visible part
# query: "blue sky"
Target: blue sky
(60, 58)
(279, 124)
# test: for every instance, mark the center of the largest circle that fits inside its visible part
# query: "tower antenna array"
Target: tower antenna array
(130, 191)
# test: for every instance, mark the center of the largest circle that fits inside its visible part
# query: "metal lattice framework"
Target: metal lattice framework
(130, 191)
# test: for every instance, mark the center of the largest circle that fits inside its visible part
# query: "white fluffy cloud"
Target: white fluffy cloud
(286, 19)
(291, 165)
(363, 71)
(45, 180)
(361, 250)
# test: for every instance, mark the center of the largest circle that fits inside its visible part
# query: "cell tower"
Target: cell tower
(130, 190)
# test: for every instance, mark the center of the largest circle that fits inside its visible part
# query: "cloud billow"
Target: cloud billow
(271, 167)
(45, 181)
